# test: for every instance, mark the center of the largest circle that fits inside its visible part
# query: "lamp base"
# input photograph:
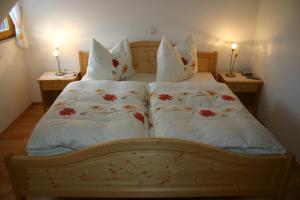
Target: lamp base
(60, 73)
(231, 75)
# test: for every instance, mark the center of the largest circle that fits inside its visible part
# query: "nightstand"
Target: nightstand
(52, 85)
(247, 90)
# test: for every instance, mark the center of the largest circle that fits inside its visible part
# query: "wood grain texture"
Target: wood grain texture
(13, 140)
(144, 58)
(150, 167)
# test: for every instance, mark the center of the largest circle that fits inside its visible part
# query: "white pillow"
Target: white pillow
(115, 64)
(176, 63)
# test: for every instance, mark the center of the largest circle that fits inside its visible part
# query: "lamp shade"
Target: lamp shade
(233, 46)
(56, 44)
(55, 53)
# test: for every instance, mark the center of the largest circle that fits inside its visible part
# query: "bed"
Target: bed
(151, 167)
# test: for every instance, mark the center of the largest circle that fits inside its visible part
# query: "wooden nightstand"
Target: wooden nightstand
(247, 90)
(52, 85)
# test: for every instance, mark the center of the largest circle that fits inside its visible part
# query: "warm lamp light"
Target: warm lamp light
(55, 53)
(56, 44)
(234, 54)
(233, 46)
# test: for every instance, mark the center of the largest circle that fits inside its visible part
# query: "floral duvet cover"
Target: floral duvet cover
(94, 112)
(89, 113)
(210, 113)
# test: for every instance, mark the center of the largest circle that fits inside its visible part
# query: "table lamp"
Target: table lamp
(56, 54)
(234, 55)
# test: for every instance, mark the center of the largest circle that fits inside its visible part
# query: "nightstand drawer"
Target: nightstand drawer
(54, 85)
(243, 87)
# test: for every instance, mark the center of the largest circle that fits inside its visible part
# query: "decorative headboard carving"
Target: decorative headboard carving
(144, 58)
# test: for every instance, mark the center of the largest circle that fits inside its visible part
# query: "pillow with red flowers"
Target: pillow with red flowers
(176, 63)
(113, 64)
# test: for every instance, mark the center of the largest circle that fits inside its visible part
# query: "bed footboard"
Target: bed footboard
(149, 167)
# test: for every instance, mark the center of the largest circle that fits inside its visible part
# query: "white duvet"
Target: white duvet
(91, 112)
(94, 112)
(210, 113)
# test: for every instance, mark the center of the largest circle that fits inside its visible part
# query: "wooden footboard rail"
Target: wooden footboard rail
(151, 168)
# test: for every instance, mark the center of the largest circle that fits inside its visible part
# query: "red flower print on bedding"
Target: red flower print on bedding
(228, 98)
(139, 116)
(109, 97)
(184, 61)
(115, 63)
(207, 113)
(67, 112)
(165, 97)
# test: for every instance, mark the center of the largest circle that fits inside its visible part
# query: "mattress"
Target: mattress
(151, 77)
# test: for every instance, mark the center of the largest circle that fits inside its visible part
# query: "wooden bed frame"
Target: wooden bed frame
(150, 167)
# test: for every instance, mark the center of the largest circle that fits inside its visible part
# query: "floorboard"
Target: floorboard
(13, 140)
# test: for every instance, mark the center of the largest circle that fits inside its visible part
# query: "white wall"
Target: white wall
(14, 97)
(277, 61)
(215, 23)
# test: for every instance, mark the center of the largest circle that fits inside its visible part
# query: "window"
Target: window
(7, 29)
(4, 25)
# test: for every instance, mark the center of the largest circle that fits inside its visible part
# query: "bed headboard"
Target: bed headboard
(144, 58)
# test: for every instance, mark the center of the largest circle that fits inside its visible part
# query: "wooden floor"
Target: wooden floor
(13, 141)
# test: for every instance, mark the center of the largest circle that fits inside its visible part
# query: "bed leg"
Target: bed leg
(282, 191)
(11, 176)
